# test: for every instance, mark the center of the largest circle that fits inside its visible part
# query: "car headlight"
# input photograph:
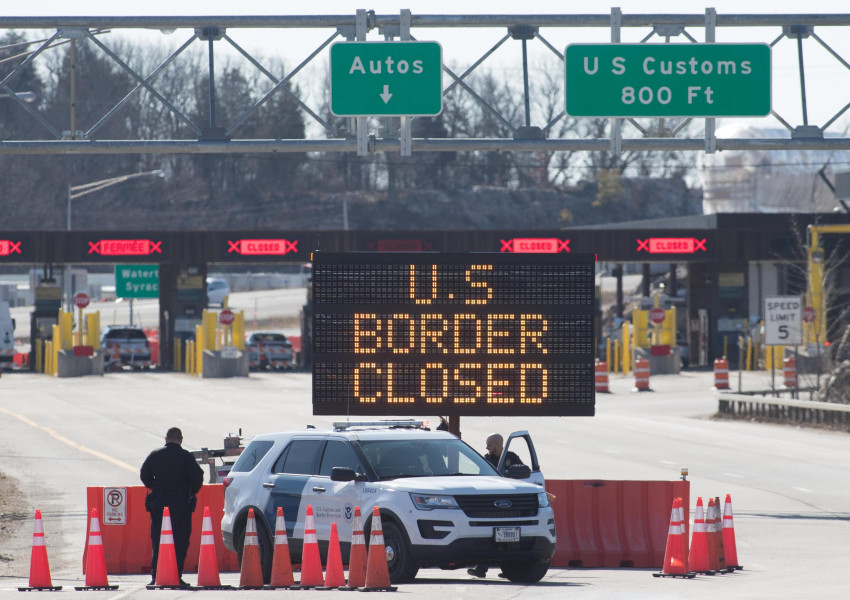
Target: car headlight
(430, 502)
(542, 499)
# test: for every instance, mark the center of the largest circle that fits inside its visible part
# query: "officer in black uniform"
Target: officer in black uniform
(174, 478)
(495, 445)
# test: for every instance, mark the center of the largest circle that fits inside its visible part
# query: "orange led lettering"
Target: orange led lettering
(493, 395)
(433, 286)
(531, 335)
(523, 375)
(390, 398)
(476, 285)
(357, 370)
(465, 382)
(458, 323)
(362, 336)
(493, 333)
(423, 382)
(435, 336)
(411, 331)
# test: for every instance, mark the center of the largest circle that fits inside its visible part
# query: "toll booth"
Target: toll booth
(48, 301)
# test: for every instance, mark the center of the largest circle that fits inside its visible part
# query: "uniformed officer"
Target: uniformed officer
(174, 478)
(495, 445)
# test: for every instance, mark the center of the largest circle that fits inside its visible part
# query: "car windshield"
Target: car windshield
(268, 337)
(392, 459)
(125, 333)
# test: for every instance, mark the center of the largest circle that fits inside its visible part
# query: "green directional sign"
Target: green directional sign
(668, 80)
(137, 281)
(386, 79)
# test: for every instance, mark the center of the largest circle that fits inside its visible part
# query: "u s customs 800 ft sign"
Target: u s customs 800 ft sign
(453, 334)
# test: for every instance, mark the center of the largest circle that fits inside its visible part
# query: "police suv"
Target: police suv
(441, 503)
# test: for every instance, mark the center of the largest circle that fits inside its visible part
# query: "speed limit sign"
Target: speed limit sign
(783, 320)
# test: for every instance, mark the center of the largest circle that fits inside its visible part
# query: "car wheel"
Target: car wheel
(264, 542)
(524, 572)
(400, 563)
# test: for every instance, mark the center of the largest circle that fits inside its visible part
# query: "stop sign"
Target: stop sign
(226, 317)
(656, 315)
(808, 314)
(81, 300)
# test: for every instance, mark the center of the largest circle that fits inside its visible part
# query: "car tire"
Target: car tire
(524, 572)
(264, 542)
(400, 562)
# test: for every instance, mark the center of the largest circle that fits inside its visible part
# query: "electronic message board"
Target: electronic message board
(453, 334)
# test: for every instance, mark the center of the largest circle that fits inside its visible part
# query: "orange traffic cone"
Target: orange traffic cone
(698, 556)
(713, 561)
(281, 563)
(675, 561)
(718, 533)
(357, 556)
(166, 560)
(311, 562)
(728, 535)
(96, 578)
(251, 575)
(377, 573)
(39, 565)
(208, 577)
(334, 575)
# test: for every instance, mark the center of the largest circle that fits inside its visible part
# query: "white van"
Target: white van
(217, 291)
(7, 336)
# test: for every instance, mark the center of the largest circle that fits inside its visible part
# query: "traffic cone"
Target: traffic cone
(675, 561)
(728, 535)
(377, 573)
(96, 578)
(357, 556)
(698, 556)
(334, 575)
(281, 563)
(718, 533)
(166, 560)
(311, 562)
(39, 565)
(251, 574)
(208, 577)
(713, 562)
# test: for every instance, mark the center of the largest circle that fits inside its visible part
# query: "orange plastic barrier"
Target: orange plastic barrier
(128, 547)
(721, 374)
(295, 340)
(614, 523)
(153, 340)
(601, 377)
(642, 375)
(789, 372)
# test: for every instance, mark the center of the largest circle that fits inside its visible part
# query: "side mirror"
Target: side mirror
(343, 474)
(518, 472)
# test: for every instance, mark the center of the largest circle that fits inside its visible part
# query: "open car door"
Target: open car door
(519, 442)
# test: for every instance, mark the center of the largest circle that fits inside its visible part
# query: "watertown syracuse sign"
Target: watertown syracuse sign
(667, 80)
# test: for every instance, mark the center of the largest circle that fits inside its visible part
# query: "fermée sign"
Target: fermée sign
(453, 334)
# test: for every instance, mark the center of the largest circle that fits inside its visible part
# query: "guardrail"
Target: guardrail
(758, 404)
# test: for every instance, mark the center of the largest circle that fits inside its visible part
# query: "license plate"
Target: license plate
(506, 534)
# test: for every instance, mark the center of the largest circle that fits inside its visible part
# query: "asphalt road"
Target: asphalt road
(790, 486)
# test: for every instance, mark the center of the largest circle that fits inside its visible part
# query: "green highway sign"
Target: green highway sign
(668, 80)
(386, 79)
(137, 281)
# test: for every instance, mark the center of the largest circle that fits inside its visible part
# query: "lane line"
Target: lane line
(58, 436)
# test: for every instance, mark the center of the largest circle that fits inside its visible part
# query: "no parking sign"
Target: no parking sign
(115, 506)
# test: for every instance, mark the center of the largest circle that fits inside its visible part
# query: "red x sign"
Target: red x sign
(535, 245)
(671, 245)
(125, 247)
(8, 247)
(264, 247)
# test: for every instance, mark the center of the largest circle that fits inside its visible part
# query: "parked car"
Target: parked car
(268, 350)
(125, 345)
(441, 503)
(217, 291)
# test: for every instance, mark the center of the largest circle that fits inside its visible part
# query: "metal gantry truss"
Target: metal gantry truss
(217, 138)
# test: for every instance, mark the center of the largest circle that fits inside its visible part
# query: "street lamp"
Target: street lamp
(77, 191)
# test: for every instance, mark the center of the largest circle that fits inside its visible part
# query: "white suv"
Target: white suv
(442, 504)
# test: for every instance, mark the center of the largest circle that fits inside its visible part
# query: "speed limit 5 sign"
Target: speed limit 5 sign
(783, 320)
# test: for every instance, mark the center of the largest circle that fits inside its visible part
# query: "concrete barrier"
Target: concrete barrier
(216, 366)
(68, 365)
